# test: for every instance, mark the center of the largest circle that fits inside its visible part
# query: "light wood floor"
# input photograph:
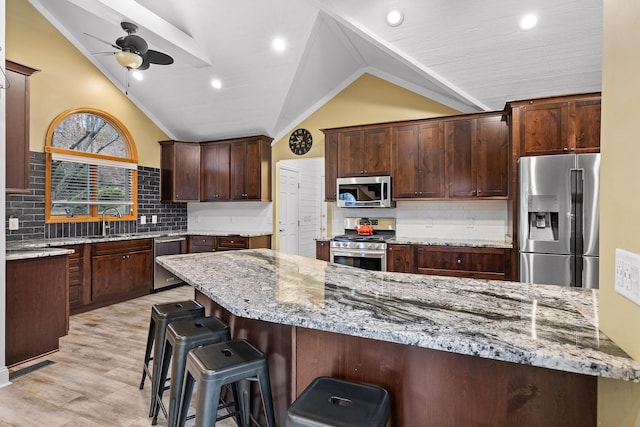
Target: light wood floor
(94, 378)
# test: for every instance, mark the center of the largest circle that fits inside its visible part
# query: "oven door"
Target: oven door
(361, 258)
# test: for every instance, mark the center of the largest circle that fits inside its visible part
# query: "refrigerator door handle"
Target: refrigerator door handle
(577, 192)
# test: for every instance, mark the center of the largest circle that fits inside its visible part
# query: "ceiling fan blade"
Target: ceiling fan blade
(155, 57)
(144, 66)
(103, 41)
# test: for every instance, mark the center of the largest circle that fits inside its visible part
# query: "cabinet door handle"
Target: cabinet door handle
(565, 149)
(459, 261)
(231, 241)
(479, 192)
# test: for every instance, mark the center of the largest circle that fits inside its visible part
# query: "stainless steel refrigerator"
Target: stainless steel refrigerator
(558, 219)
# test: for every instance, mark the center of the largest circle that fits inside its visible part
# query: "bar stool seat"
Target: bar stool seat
(182, 336)
(215, 365)
(336, 403)
(161, 315)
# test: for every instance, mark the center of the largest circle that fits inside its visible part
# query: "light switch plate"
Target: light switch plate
(14, 224)
(627, 281)
(154, 219)
(143, 219)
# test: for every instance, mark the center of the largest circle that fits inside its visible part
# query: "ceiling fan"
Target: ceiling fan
(133, 51)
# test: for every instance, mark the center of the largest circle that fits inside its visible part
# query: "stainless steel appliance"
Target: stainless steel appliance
(368, 251)
(364, 192)
(163, 278)
(558, 219)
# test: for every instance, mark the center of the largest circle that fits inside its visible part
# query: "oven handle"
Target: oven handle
(362, 254)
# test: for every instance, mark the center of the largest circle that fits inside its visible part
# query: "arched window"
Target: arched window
(92, 164)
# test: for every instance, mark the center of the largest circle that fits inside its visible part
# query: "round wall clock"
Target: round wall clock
(300, 141)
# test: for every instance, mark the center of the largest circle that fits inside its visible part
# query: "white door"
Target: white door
(289, 202)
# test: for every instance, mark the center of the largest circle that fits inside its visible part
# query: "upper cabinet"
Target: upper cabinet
(330, 166)
(478, 156)
(17, 129)
(217, 171)
(566, 124)
(364, 152)
(418, 161)
(180, 174)
(215, 176)
(250, 160)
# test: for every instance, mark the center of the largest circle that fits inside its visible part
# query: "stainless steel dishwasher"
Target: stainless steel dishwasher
(173, 245)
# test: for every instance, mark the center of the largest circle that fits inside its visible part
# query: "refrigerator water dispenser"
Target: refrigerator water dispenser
(543, 218)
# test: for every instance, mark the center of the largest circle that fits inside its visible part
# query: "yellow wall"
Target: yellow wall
(619, 402)
(68, 80)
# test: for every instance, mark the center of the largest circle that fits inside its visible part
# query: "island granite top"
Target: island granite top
(540, 325)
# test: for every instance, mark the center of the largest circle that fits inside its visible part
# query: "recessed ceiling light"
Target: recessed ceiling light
(528, 21)
(137, 75)
(395, 18)
(216, 83)
(279, 45)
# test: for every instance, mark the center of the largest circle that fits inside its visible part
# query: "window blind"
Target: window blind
(78, 182)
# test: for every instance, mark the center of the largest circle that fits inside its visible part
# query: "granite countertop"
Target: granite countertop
(17, 254)
(540, 325)
(51, 243)
(464, 243)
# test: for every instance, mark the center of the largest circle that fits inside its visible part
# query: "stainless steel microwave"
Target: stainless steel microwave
(365, 192)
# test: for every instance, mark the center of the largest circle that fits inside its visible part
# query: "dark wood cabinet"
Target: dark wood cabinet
(215, 169)
(37, 307)
(556, 125)
(202, 244)
(478, 156)
(478, 263)
(180, 171)
(330, 166)
(322, 250)
(250, 165)
(364, 152)
(418, 161)
(79, 277)
(17, 127)
(121, 270)
(227, 243)
(400, 258)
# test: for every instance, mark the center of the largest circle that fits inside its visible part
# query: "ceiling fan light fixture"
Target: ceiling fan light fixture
(128, 59)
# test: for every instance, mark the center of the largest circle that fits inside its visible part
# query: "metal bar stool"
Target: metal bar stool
(182, 336)
(161, 315)
(329, 402)
(215, 365)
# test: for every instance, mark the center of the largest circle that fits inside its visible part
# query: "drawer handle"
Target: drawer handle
(459, 261)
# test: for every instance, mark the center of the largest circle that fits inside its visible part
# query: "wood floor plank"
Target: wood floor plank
(95, 375)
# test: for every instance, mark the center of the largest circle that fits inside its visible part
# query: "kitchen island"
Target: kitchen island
(451, 351)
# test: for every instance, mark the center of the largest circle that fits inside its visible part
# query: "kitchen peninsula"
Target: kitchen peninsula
(451, 351)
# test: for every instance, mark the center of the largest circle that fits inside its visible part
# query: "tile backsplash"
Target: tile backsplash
(29, 209)
(441, 219)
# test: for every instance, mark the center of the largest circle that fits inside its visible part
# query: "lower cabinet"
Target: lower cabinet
(322, 250)
(227, 243)
(478, 263)
(202, 244)
(121, 270)
(79, 277)
(400, 258)
(37, 308)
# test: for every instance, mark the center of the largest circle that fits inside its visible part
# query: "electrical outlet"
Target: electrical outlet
(14, 224)
(627, 280)
(143, 219)
(154, 219)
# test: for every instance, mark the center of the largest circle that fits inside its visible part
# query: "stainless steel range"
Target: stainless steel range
(364, 243)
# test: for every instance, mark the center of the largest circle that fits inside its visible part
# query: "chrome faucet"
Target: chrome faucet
(104, 225)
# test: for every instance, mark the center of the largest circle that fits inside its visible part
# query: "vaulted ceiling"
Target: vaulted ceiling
(467, 54)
